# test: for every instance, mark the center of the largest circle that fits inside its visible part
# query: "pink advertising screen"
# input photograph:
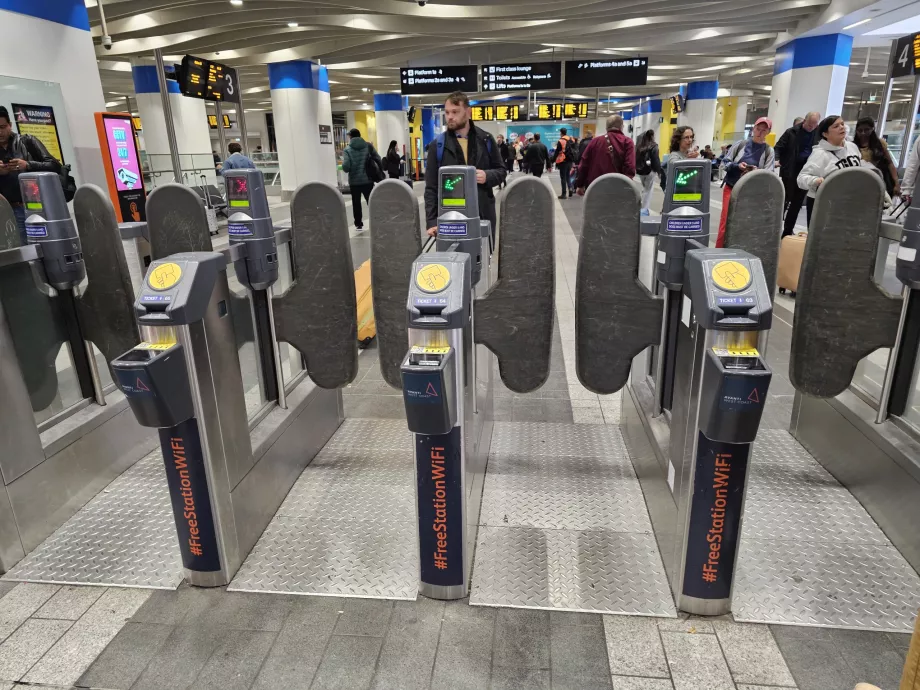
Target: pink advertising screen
(123, 154)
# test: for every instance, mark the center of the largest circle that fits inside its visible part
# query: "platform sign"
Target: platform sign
(212, 81)
(421, 81)
(906, 58)
(519, 77)
(595, 74)
(38, 121)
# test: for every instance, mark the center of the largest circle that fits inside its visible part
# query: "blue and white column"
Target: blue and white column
(301, 105)
(700, 112)
(809, 74)
(392, 122)
(628, 121)
(431, 126)
(190, 119)
(646, 116)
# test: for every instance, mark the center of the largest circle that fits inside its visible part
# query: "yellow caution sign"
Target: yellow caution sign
(731, 276)
(428, 350)
(736, 351)
(433, 278)
(164, 276)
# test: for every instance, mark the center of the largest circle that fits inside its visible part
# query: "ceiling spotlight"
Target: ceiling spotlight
(293, 25)
(364, 89)
(236, 3)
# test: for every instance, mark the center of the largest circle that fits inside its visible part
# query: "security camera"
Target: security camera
(107, 42)
(422, 3)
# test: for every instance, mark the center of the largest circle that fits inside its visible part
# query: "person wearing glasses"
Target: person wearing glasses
(681, 149)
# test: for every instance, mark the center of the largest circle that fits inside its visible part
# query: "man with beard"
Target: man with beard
(463, 144)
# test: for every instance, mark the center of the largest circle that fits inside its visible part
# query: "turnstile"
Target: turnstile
(711, 327)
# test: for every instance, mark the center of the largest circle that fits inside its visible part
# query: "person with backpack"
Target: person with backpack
(19, 154)
(364, 168)
(394, 161)
(463, 144)
(612, 153)
(745, 156)
(648, 166)
(565, 156)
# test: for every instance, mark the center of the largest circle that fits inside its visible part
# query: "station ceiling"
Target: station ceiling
(365, 42)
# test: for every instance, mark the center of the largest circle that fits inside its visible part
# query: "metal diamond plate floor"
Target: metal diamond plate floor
(810, 553)
(564, 525)
(348, 526)
(124, 537)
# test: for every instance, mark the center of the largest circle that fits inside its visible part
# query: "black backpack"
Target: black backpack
(34, 148)
(372, 167)
(644, 162)
(571, 151)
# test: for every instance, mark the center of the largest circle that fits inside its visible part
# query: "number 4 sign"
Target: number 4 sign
(904, 56)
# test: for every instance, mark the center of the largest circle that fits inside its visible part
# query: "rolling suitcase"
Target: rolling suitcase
(791, 251)
(367, 324)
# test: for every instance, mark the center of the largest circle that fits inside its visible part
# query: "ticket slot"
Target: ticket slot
(732, 399)
(429, 390)
(155, 382)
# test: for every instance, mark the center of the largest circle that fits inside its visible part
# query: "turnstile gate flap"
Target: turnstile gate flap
(9, 231)
(395, 244)
(755, 220)
(841, 314)
(318, 315)
(177, 222)
(106, 306)
(615, 316)
(35, 326)
(514, 319)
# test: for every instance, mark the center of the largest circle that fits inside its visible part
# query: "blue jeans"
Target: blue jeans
(20, 213)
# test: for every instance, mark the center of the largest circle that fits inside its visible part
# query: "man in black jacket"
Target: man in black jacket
(792, 150)
(19, 154)
(536, 157)
(464, 144)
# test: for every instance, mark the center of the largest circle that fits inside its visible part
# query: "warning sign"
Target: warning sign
(164, 276)
(731, 276)
(38, 121)
(433, 278)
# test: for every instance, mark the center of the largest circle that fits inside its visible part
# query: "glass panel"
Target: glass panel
(68, 387)
(291, 359)
(912, 413)
(105, 376)
(245, 334)
(898, 117)
(870, 372)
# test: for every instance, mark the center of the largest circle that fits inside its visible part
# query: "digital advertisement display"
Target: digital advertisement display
(123, 153)
(452, 190)
(595, 74)
(688, 186)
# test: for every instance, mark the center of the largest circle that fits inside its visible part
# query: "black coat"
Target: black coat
(787, 155)
(392, 163)
(484, 155)
(536, 155)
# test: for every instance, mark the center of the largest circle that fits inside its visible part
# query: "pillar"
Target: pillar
(700, 111)
(627, 123)
(731, 116)
(190, 119)
(648, 113)
(51, 43)
(809, 74)
(390, 111)
(301, 105)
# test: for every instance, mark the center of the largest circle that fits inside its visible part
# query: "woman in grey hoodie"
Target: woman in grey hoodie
(831, 152)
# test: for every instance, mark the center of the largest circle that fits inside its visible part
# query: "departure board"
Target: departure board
(508, 112)
(575, 110)
(482, 112)
(596, 74)
(905, 59)
(549, 111)
(212, 81)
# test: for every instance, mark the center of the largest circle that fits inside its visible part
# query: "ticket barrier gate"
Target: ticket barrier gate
(184, 380)
(438, 345)
(723, 313)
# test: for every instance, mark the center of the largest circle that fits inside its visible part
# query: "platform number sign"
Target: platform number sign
(906, 55)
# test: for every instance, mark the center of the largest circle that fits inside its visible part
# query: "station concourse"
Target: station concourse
(584, 447)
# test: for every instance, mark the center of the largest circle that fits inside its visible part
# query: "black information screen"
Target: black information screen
(532, 75)
(453, 190)
(595, 74)
(212, 81)
(419, 81)
(688, 185)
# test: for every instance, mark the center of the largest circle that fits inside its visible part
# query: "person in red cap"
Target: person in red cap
(751, 154)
